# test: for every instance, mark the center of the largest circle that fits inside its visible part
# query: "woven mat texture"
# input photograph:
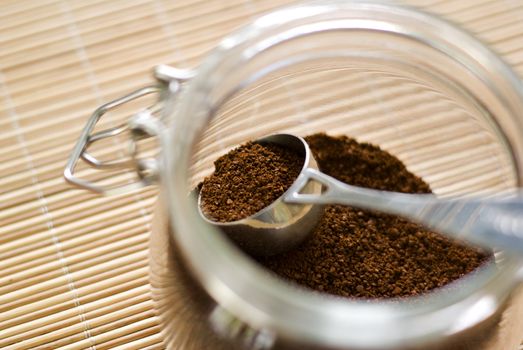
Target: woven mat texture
(73, 265)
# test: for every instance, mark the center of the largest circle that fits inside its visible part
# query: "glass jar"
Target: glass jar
(414, 84)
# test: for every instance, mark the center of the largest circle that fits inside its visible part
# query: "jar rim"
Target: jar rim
(265, 302)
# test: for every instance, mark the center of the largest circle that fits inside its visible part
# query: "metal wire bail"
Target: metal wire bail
(141, 125)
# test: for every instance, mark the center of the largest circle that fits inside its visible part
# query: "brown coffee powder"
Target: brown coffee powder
(352, 252)
(247, 179)
(359, 253)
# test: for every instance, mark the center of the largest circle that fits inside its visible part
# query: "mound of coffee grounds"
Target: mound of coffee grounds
(359, 253)
(247, 179)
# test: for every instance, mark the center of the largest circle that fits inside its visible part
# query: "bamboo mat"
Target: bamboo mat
(73, 265)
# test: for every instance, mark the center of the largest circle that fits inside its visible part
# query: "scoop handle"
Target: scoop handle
(495, 222)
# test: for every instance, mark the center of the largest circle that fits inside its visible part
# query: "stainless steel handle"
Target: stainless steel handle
(142, 124)
(492, 222)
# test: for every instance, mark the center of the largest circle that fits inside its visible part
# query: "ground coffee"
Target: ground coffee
(352, 252)
(247, 179)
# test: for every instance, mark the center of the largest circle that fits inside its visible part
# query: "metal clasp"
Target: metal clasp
(141, 125)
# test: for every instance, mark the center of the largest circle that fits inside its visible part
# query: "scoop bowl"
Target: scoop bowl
(281, 225)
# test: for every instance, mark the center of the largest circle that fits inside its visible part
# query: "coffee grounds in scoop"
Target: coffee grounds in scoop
(248, 179)
(365, 254)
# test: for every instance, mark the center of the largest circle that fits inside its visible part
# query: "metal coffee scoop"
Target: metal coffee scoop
(495, 222)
